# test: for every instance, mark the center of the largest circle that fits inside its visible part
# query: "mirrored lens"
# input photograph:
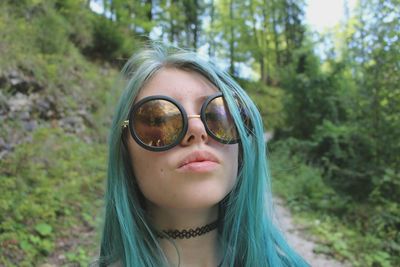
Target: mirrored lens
(219, 120)
(158, 123)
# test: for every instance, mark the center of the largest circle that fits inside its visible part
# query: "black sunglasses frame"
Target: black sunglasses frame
(185, 121)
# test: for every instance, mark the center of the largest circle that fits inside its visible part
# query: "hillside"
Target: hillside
(56, 101)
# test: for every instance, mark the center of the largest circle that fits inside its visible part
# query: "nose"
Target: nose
(196, 132)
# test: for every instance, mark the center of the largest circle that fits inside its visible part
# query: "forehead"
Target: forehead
(179, 84)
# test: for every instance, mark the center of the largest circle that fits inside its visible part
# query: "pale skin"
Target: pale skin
(185, 198)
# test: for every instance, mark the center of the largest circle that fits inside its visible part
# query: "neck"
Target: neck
(199, 251)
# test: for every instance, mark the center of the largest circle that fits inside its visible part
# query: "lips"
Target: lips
(199, 161)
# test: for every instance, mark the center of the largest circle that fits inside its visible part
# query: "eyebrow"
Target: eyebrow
(202, 98)
(198, 100)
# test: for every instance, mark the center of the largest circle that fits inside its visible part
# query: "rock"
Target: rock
(2, 144)
(24, 115)
(4, 108)
(42, 104)
(86, 117)
(47, 107)
(18, 103)
(30, 125)
(19, 82)
(5, 148)
(72, 124)
(3, 154)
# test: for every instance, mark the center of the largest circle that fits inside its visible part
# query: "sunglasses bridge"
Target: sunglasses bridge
(193, 116)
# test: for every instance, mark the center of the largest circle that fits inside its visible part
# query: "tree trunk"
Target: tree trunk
(149, 3)
(211, 48)
(275, 17)
(232, 40)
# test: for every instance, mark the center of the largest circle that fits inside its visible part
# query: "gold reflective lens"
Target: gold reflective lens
(158, 123)
(219, 120)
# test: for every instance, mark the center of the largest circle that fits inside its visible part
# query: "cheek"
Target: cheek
(147, 169)
(152, 179)
(232, 158)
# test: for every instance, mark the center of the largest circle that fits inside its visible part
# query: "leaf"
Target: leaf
(26, 246)
(34, 239)
(47, 246)
(43, 229)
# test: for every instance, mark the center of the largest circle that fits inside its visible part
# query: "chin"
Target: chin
(200, 199)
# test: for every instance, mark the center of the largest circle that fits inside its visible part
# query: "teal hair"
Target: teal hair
(248, 235)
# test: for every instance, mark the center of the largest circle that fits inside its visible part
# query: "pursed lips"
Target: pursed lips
(198, 157)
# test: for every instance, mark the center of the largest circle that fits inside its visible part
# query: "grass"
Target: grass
(52, 190)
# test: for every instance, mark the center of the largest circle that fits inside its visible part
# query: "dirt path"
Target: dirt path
(304, 246)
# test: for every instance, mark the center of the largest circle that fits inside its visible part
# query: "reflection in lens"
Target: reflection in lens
(158, 123)
(219, 120)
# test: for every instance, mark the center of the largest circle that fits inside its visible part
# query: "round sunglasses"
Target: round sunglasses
(158, 123)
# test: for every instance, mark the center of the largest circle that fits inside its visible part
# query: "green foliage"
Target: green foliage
(313, 96)
(110, 41)
(46, 184)
(43, 229)
(341, 116)
(54, 27)
(80, 255)
(52, 186)
(309, 190)
(80, 21)
(345, 153)
(71, 85)
(34, 26)
(365, 234)
(51, 32)
(269, 102)
(343, 125)
(345, 242)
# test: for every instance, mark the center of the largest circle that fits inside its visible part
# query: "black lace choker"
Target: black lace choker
(181, 234)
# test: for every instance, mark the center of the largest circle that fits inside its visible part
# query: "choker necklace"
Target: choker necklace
(181, 234)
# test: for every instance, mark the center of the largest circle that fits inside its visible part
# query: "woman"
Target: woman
(188, 182)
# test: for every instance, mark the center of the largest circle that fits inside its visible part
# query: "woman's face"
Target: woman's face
(166, 179)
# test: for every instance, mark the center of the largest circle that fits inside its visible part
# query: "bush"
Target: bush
(346, 155)
(51, 32)
(269, 102)
(80, 18)
(301, 185)
(110, 42)
(363, 233)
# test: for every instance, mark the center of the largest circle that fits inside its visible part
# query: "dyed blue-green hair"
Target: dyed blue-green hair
(247, 233)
